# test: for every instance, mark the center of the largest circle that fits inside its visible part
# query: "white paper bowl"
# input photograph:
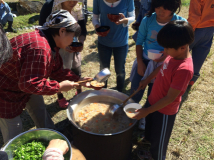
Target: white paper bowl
(154, 54)
(131, 105)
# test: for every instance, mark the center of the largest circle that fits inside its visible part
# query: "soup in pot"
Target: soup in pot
(94, 117)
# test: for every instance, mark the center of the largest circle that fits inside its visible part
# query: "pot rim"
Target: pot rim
(96, 134)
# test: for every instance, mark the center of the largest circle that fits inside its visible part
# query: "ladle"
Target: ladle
(102, 76)
(114, 109)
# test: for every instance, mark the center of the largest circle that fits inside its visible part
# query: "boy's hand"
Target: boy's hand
(141, 68)
(143, 84)
(162, 58)
(1, 1)
(142, 113)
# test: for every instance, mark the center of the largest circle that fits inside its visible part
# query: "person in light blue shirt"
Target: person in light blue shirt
(116, 41)
(6, 16)
(160, 14)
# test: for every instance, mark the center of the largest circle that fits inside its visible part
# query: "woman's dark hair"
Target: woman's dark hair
(172, 5)
(73, 28)
(175, 34)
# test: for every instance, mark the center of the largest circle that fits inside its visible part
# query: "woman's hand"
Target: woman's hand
(67, 85)
(69, 49)
(122, 20)
(97, 26)
(86, 84)
(59, 144)
(162, 58)
(142, 113)
(141, 68)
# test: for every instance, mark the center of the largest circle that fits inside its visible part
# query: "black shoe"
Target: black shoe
(186, 94)
(10, 29)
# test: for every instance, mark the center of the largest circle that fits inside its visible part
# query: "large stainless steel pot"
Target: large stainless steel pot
(43, 134)
(116, 146)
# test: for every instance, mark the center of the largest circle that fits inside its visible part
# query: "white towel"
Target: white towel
(152, 65)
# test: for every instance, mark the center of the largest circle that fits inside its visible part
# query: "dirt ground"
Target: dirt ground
(90, 3)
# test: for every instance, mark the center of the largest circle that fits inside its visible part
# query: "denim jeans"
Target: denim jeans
(135, 84)
(119, 54)
(142, 13)
(201, 48)
(7, 17)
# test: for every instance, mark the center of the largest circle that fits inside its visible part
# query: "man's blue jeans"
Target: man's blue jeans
(119, 54)
(7, 17)
(201, 48)
(135, 84)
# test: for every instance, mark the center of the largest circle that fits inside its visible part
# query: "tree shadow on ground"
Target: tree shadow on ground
(132, 44)
(93, 45)
(125, 90)
(137, 142)
(33, 19)
(93, 57)
(91, 32)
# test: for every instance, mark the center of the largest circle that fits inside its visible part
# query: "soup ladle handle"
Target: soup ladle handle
(87, 80)
(135, 92)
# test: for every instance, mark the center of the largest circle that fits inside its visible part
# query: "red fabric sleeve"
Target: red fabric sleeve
(181, 79)
(34, 71)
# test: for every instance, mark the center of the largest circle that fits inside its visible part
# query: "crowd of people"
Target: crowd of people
(43, 63)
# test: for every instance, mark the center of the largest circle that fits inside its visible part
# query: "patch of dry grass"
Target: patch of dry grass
(193, 133)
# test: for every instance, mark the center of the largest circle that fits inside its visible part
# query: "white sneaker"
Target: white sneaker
(142, 124)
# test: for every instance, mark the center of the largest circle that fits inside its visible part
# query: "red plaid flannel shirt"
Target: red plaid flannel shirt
(28, 71)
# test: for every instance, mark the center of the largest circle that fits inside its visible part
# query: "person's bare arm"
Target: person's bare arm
(141, 67)
(169, 98)
(1, 1)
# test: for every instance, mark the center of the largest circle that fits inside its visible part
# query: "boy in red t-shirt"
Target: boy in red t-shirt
(172, 79)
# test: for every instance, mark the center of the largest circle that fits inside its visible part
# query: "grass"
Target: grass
(185, 2)
(18, 0)
(26, 21)
(193, 133)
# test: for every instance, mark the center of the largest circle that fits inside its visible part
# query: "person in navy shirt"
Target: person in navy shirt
(6, 16)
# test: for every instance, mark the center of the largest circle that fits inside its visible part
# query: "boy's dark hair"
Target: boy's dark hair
(73, 28)
(172, 5)
(175, 34)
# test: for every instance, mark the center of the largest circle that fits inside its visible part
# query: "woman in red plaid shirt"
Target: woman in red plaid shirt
(24, 72)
